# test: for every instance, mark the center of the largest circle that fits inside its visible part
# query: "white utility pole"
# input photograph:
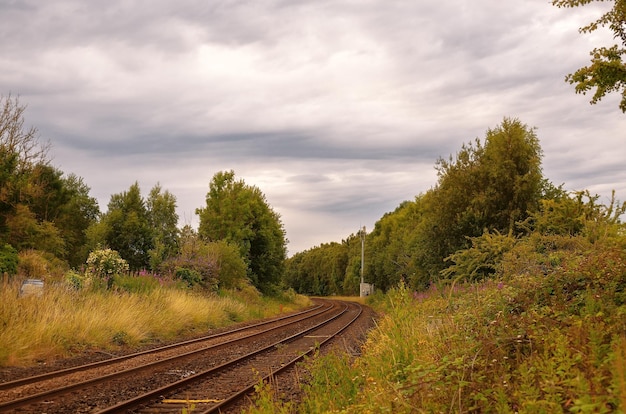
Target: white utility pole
(362, 252)
(365, 289)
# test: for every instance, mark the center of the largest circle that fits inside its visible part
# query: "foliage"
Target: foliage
(607, 72)
(163, 221)
(481, 260)
(127, 227)
(490, 186)
(8, 260)
(20, 152)
(39, 208)
(35, 264)
(76, 280)
(74, 217)
(391, 247)
(321, 270)
(189, 276)
(578, 213)
(230, 267)
(487, 188)
(194, 264)
(547, 335)
(239, 214)
(106, 263)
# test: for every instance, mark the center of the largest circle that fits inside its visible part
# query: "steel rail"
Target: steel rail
(82, 384)
(233, 398)
(154, 394)
(52, 374)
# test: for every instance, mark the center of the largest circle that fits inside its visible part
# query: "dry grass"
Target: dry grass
(63, 321)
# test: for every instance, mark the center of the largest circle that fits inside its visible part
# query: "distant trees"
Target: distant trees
(329, 269)
(240, 215)
(487, 187)
(607, 72)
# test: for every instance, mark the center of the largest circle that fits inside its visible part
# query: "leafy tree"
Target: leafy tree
(231, 268)
(239, 214)
(163, 219)
(76, 215)
(39, 208)
(26, 232)
(607, 72)
(127, 228)
(20, 152)
(490, 186)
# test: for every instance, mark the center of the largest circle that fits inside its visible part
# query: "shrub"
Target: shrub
(189, 276)
(76, 280)
(104, 264)
(8, 260)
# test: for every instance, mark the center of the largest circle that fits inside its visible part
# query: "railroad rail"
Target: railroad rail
(202, 375)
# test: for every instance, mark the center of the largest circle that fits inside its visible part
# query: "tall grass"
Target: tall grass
(64, 321)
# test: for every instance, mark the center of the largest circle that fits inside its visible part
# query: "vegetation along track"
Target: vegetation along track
(207, 374)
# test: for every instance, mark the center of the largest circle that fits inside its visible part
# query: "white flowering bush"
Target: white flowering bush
(104, 264)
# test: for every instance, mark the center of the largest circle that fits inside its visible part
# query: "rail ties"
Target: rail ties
(215, 370)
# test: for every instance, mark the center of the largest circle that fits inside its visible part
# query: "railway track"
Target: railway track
(208, 374)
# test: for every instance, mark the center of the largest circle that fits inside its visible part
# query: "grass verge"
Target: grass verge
(64, 321)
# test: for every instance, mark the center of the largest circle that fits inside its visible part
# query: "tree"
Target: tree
(487, 187)
(607, 72)
(239, 214)
(20, 152)
(127, 228)
(75, 217)
(164, 221)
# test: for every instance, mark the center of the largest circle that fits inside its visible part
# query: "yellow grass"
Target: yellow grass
(63, 322)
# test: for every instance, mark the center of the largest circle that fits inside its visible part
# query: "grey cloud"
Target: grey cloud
(337, 110)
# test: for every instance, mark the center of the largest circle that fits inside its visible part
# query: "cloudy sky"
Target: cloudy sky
(336, 109)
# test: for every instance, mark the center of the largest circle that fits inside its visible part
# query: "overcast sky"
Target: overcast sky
(336, 109)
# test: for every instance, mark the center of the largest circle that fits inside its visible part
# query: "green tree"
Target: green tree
(607, 72)
(76, 215)
(487, 187)
(163, 219)
(391, 253)
(66, 204)
(127, 227)
(239, 214)
(20, 152)
(26, 232)
(230, 266)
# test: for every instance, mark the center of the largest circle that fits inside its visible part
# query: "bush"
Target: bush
(189, 276)
(8, 260)
(76, 280)
(106, 263)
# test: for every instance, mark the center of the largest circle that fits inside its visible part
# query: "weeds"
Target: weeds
(547, 334)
